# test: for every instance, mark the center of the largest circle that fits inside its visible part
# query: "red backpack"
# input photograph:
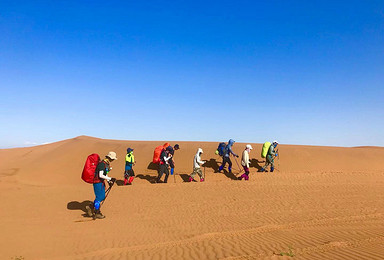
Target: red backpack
(91, 163)
(157, 153)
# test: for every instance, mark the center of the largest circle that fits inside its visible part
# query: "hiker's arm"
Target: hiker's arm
(230, 150)
(172, 163)
(166, 159)
(272, 150)
(200, 161)
(246, 159)
(105, 177)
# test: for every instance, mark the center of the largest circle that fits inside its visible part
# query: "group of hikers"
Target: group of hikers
(96, 170)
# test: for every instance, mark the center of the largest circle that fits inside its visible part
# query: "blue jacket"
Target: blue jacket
(228, 149)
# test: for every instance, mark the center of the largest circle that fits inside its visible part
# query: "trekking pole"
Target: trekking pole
(204, 174)
(240, 170)
(107, 192)
(278, 158)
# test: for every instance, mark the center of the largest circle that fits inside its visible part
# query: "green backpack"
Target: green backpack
(264, 150)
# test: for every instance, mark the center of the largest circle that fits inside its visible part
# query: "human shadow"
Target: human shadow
(119, 182)
(153, 166)
(230, 175)
(75, 205)
(149, 178)
(184, 177)
(212, 163)
(256, 164)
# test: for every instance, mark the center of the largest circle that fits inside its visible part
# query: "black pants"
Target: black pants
(226, 160)
(163, 169)
(129, 173)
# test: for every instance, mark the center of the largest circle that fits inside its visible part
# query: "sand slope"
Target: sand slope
(323, 202)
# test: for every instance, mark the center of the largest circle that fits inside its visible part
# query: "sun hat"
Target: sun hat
(112, 156)
(248, 146)
(129, 150)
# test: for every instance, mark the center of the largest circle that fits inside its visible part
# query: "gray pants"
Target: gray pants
(198, 171)
(269, 161)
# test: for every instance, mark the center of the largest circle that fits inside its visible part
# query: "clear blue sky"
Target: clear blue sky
(302, 72)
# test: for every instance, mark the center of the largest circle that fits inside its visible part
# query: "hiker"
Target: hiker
(196, 166)
(272, 153)
(129, 174)
(245, 162)
(227, 152)
(101, 175)
(165, 157)
(172, 162)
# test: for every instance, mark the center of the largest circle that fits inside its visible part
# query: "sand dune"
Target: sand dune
(322, 203)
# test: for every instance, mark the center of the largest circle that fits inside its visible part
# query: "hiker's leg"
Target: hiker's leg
(270, 161)
(193, 173)
(229, 165)
(246, 173)
(222, 165)
(267, 162)
(166, 174)
(272, 164)
(125, 177)
(131, 176)
(99, 191)
(160, 173)
(199, 172)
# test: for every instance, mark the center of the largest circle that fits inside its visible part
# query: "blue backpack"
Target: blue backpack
(221, 149)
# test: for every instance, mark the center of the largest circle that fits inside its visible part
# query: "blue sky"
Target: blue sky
(302, 72)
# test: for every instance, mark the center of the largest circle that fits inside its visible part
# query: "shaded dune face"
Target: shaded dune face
(320, 203)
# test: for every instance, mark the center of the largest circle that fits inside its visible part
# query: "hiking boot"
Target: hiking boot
(242, 176)
(220, 169)
(272, 169)
(191, 179)
(246, 177)
(262, 170)
(201, 179)
(99, 215)
(88, 211)
(230, 169)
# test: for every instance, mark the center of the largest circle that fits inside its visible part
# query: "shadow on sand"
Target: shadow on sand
(256, 164)
(153, 166)
(184, 177)
(212, 163)
(75, 205)
(149, 178)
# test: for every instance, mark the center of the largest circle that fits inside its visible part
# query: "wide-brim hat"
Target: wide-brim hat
(112, 155)
(129, 150)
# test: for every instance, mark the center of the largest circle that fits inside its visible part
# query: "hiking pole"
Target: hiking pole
(278, 158)
(107, 192)
(204, 174)
(240, 170)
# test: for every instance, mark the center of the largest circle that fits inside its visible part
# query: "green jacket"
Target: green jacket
(271, 151)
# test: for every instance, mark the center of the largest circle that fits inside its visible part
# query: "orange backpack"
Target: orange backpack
(157, 152)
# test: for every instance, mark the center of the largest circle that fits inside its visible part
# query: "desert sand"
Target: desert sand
(321, 203)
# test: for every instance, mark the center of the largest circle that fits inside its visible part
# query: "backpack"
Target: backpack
(221, 149)
(91, 163)
(157, 153)
(264, 150)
